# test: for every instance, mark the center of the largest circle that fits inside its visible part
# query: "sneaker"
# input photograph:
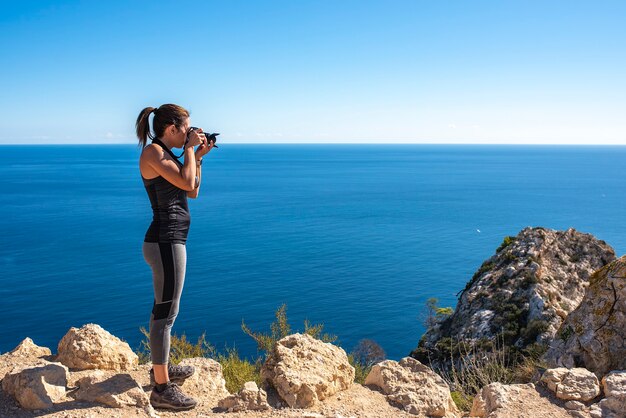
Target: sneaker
(172, 398)
(177, 373)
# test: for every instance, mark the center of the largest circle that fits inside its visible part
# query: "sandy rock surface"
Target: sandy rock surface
(305, 370)
(249, 398)
(576, 384)
(413, 386)
(517, 401)
(92, 347)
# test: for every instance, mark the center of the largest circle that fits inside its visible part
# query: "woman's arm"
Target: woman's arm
(183, 178)
(194, 193)
(201, 151)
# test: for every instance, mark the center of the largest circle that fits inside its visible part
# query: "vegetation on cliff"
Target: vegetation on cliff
(238, 370)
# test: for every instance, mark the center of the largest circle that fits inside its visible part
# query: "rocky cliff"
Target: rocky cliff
(594, 334)
(522, 293)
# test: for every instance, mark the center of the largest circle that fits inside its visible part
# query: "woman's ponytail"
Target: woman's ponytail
(143, 126)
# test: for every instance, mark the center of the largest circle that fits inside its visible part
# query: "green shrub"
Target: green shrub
(508, 240)
(280, 328)
(486, 266)
(534, 328)
(434, 313)
(238, 371)
(360, 370)
(462, 400)
(528, 279)
(566, 333)
(471, 368)
(180, 348)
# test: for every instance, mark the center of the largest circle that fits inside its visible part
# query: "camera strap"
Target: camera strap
(169, 151)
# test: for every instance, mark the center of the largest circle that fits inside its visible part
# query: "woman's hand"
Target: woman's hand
(203, 149)
(195, 137)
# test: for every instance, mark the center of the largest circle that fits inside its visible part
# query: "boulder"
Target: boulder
(614, 385)
(574, 405)
(304, 370)
(37, 387)
(112, 389)
(602, 409)
(249, 398)
(412, 385)
(575, 384)
(92, 347)
(593, 335)
(26, 354)
(493, 397)
(207, 382)
(27, 348)
(498, 400)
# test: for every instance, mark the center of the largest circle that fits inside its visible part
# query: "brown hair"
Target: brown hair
(165, 115)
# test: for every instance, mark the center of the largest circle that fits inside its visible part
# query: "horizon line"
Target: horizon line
(335, 143)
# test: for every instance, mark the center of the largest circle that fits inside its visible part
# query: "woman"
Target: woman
(168, 183)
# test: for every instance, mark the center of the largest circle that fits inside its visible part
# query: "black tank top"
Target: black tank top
(171, 217)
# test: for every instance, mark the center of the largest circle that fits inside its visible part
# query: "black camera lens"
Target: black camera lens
(209, 137)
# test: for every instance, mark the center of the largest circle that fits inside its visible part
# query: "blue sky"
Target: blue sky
(317, 71)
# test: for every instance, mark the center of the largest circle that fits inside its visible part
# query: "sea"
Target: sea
(356, 237)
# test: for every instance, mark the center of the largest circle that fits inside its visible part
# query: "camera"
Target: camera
(209, 137)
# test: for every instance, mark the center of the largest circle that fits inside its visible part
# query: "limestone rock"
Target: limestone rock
(603, 409)
(37, 387)
(412, 385)
(208, 380)
(305, 370)
(493, 397)
(92, 347)
(593, 335)
(249, 398)
(575, 384)
(498, 400)
(574, 405)
(26, 354)
(112, 389)
(526, 289)
(27, 348)
(614, 385)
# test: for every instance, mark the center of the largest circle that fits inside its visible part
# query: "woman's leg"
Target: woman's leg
(168, 262)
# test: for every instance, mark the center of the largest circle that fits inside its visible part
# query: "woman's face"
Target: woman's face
(178, 135)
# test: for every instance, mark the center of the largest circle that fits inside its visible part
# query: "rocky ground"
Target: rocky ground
(357, 401)
(35, 383)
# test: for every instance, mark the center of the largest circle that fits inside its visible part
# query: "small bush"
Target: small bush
(528, 279)
(566, 333)
(180, 348)
(435, 314)
(473, 366)
(508, 240)
(360, 370)
(280, 328)
(486, 266)
(534, 328)
(238, 371)
(366, 353)
(462, 401)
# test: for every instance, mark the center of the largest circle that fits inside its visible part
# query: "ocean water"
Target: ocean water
(356, 237)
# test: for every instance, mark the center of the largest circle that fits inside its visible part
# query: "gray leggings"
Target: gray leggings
(168, 262)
